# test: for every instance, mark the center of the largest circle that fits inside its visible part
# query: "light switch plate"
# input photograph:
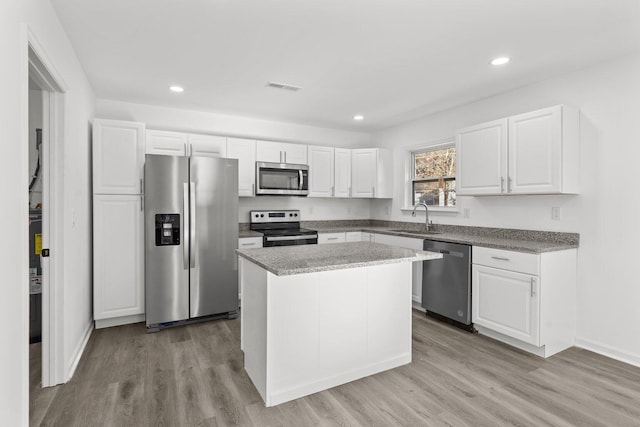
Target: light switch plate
(466, 213)
(556, 213)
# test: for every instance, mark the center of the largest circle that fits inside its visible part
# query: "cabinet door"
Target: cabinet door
(207, 145)
(368, 237)
(482, 158)
(535, 152)
(167, 143)
(118, 256)
(295, 153)
(363, 172)
(118, 157)
(342, 172)
(506, 302)
(409, 243)
(245, 151)
(324, 238)
(320, 171)
(269, 151)
(353, 236)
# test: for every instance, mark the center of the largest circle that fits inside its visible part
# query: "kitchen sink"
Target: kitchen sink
(417, 232)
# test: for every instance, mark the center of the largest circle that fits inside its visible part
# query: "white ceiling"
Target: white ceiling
(390, 60)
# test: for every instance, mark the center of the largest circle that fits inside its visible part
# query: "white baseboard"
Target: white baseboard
(612, 352)
(78, 352)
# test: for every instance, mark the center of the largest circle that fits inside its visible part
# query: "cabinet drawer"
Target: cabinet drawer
(507, 260)
(331, 238)
(249, 242)
(353, 236)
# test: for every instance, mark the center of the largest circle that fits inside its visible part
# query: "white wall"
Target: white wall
(606, 213)
(15, 15)
(165, 118)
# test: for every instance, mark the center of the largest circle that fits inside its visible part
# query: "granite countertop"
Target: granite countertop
(521, 241)
(288, 260)
(248, 233)
(530, 241)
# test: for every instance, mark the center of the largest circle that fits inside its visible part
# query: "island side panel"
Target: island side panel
(389, 313)
(329, 328)
(254, 323)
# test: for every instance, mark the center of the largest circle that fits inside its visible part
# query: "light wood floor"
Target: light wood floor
(193, 376)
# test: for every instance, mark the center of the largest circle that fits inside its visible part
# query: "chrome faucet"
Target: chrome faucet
(427, 224)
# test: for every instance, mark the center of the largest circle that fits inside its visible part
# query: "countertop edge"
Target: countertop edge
(419, 256)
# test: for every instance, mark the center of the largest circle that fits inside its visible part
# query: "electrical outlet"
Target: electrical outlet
(556, 213)
(310, 210)
(466, 212)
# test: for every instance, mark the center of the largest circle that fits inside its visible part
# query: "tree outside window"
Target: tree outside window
(434, 176)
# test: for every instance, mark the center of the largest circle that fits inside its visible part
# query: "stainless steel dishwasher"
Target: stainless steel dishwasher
(446, 283)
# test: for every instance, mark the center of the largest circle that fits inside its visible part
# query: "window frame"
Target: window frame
(411, 179)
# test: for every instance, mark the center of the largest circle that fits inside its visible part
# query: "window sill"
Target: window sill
(440, 209)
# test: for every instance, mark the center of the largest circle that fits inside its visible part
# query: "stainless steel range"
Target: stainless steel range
(281, 228)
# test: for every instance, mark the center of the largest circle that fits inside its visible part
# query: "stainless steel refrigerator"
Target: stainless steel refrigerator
(191, 234)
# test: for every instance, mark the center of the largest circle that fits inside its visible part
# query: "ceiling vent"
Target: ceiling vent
(284, 86)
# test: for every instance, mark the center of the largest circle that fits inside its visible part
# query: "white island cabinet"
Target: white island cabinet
(317, 316)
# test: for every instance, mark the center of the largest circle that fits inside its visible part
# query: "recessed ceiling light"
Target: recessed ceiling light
(177, 89)
(500, 60)
(358, 117)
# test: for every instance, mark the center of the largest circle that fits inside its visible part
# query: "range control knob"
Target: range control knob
(261, 215)
(296, 214)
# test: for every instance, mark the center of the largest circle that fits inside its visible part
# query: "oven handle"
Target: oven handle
(281, 238)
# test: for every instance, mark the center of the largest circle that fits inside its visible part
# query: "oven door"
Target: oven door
(306, 239)
(281, 179)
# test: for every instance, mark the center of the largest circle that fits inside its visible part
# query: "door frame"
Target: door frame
(53, 86)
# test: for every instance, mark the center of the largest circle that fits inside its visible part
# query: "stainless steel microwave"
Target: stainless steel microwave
(281, 179)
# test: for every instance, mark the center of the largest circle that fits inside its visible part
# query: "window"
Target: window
(433, 179)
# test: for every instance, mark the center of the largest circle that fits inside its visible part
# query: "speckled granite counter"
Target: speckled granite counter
(530, 241)
(288, 260)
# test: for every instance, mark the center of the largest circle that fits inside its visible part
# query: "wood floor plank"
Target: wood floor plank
(194, 376)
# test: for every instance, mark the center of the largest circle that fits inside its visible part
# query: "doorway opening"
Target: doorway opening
(46, 102)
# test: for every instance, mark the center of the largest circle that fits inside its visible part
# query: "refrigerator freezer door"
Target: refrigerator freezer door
(214, 275)
(166, 239)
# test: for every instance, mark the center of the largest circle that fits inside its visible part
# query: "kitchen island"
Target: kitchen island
(317, 316)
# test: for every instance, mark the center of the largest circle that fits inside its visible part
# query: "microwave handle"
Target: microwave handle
(301, 175)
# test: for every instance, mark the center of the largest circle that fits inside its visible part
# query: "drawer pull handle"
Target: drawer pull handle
(332, 238)
(500, 258)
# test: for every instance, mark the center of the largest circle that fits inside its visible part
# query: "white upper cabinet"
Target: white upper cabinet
(543, 151)
(118, 157)
(342, 172)
(207, 145)
(371, 173)
(245, 151)
(166, 143)
(531, 153)
(281, 152)
(321, 176)
(185, 144)
(482, 158)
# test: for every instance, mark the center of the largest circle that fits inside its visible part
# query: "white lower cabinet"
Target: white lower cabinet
(118, 259)
(353, 236)
(331, 238)
(507, 302)
(367, 237)
(409, 243)
(525, 300)
(249, 242)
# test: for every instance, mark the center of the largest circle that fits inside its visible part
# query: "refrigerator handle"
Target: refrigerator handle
(192, 225)
(186, 236)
